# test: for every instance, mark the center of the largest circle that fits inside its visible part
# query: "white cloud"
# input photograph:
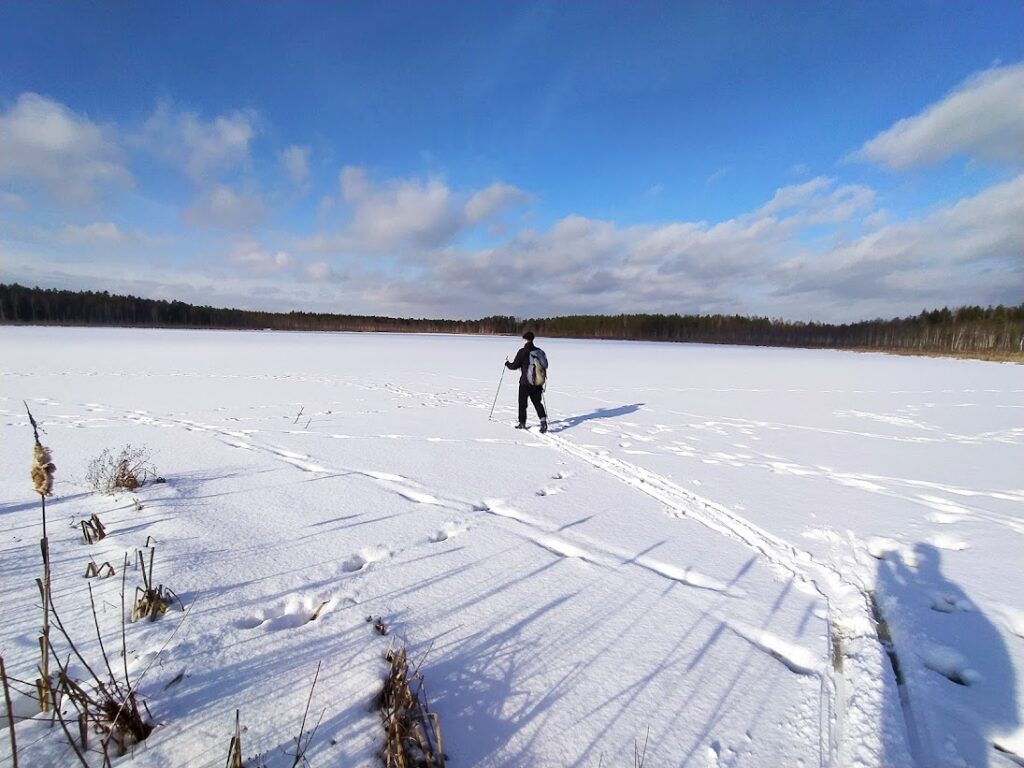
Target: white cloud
(223, 208)
(967, 252)
(295, 160)
(319, 271)
(253, 259)
(982, 118)
(488, 202)
(69, 156)
(406, 210)
(202, 149)
(586, 265)
(756, 263)
(817, 201)
(876, 219)
(403, 214)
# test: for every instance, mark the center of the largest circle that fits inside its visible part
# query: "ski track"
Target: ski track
(846, 601)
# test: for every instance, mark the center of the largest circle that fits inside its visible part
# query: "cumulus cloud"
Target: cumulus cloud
(224, 208)
(407, 213)
(968, 251)
(756, 263)
(199, 148)
(410, 210)
(295, 160)
(67, 155)
(982, 118)
(586, 265)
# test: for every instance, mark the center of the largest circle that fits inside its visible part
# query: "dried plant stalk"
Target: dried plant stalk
(412, 733)
(151, 602)
(235, 748)
(10, 713)
(93, 530)
(99, 571)
(42, 480)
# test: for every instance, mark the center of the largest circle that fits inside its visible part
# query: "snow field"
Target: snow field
(689, 553)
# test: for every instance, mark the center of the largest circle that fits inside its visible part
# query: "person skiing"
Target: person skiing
(533, 365)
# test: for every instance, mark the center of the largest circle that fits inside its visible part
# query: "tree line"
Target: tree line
(969, 330)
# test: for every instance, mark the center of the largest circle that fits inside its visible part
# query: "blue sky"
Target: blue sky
(829, 161)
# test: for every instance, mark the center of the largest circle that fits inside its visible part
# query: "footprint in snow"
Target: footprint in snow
(447, 531)
(949, 603)
(562, 475)
(550, 490)
(363, 558)
(295, 611)
(713, 754)
(949, 663)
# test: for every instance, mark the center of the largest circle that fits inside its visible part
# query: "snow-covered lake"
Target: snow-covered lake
(688, 560)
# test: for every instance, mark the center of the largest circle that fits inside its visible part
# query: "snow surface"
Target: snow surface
(688, 560)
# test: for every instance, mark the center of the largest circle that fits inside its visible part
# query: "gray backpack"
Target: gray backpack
(537, 368)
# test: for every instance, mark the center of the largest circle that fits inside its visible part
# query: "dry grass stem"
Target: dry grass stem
(235, 748)
(303, 740)
(10, 713)
(639, 755)
(99, 571)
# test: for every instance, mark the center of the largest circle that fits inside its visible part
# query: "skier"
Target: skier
(533, 365)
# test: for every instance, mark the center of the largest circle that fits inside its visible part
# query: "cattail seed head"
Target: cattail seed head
(42, 470)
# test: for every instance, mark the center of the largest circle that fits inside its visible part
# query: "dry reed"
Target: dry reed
(412, 731)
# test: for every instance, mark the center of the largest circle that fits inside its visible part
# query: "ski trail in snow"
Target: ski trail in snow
(846, 600)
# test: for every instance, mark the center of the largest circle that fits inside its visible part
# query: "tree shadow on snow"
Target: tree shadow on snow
(600, 413)
(958, 683)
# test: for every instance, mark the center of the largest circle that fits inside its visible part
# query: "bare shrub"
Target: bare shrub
(125, 471)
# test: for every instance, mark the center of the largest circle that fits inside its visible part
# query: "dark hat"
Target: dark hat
(528, 335)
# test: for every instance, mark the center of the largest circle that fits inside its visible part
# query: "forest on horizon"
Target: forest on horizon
(968, 331)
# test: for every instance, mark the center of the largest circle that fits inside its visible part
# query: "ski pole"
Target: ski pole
(496, 393)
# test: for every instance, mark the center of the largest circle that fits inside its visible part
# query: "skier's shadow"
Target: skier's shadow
(600, 413)
(952, 658)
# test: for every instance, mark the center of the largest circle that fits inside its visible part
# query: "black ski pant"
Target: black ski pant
(533, 392)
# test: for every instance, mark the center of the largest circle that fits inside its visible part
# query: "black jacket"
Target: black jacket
(522, 362)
